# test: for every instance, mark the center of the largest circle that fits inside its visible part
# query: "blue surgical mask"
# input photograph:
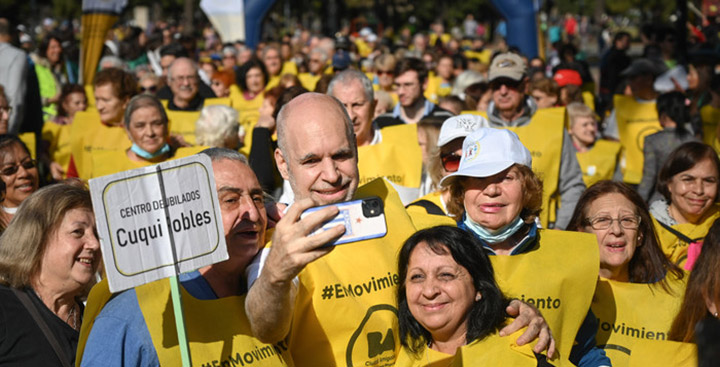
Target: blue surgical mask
(147, 155)
(497, 236)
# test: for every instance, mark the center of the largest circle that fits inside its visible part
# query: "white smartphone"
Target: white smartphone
(363, 219)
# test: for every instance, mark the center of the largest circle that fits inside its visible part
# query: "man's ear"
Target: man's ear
(281, 163)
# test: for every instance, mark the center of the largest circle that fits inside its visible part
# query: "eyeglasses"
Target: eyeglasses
(509, 83)
(627, 222)
(151, 89)
(7, 109)
(384, 72)
(182, 78)
(450, 161)
(11, 170)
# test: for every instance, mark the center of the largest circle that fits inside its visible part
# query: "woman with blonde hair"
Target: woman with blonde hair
(49, 256)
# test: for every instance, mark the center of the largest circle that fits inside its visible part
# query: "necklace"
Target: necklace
(72, 315)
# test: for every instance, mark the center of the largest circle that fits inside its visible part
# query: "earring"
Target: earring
(715, 314)
(479, 297)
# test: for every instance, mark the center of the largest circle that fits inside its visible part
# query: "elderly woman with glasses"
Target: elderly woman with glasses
(19, 173)
(638, 287)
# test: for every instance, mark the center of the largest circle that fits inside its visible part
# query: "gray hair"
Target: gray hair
(144, 100)
(318, 50)
(347, 76)
(112, 62)
(218, 154)
(182, 59)
(215, 124)
(283, 116)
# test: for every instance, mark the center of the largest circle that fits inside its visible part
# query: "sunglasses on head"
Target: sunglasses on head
(450, 161)
(11, 170)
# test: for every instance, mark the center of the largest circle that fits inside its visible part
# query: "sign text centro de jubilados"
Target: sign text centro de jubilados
(139, 211)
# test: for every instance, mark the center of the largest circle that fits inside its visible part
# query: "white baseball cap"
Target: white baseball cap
(489, 151)
(459, 127)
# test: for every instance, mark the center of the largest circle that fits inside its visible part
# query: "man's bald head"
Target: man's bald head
(301, 105)
(317, 152)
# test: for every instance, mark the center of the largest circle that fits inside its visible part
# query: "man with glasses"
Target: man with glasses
(316, 66)
(542, 132)
(183, 81)
(411, 80)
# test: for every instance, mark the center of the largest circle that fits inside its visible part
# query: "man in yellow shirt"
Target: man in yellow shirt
(336, 304)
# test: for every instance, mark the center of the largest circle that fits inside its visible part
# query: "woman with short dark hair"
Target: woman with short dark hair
(448, 299)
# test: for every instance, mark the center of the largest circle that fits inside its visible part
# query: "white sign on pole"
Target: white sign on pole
(158, 221)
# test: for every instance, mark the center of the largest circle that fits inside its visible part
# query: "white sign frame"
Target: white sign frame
(178, 200)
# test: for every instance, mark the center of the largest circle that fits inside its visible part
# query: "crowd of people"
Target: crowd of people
(536, 215)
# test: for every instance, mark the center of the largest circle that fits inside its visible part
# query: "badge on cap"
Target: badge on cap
(508, 63)
(472, 151)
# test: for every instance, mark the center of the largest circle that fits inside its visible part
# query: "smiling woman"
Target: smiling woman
(495, 196)
(688, 182)
(19, 173)
(49, 256)
(448, 299)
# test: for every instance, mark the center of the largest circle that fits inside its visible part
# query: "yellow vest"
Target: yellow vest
(635, 121)
(29, 140)
(183, 123)
(494, 350)
(345, 310)
(218, 330)
(589, 100)
(628, 312)
(663, 353)
(249, 114)
(676, 249)
(397, 157)
(436, 90)
(483, 56)
(558, 277)
(543, 137)
(113, 161)
(224, 101)
(710, 117)
(599, 162)
(89, 135)
(98, 297)
(434, 197)
(58, 136)
(308, 80)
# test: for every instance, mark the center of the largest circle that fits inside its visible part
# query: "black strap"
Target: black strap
(25, 300)
(429, 206)
(679, 235)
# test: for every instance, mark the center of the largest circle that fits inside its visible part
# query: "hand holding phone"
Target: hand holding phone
(363, 219)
